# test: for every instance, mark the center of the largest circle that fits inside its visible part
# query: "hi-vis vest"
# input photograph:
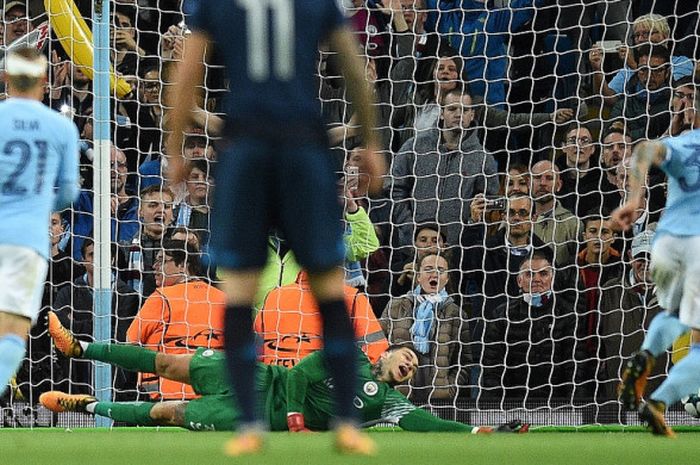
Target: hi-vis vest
(290, 325)
(178, 319)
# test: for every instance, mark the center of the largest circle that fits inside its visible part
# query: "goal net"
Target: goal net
(507, 127)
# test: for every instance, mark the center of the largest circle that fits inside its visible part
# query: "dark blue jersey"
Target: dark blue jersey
(270, 50)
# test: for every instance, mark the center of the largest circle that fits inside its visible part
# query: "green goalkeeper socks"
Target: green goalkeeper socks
(132, 358)
(137, 413)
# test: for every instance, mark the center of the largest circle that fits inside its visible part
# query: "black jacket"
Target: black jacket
(529, 352)
(74, 307)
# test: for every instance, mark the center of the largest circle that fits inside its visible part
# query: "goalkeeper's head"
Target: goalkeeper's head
(397, 365)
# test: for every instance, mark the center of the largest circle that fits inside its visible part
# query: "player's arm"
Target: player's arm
(373, 163)
(180, 100)
(646, 154)
(309, 370)
(421, 421)
(412, 418)
(398, 409)
(67, 182)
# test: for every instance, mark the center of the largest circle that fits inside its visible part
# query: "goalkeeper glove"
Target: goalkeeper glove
(295, 423)
(514, 426)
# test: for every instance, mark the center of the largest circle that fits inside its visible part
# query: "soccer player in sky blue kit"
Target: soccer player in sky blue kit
(675, 269)
(38, 175)
(276, 173)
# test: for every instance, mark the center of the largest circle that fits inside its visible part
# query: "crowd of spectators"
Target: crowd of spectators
(508, 126)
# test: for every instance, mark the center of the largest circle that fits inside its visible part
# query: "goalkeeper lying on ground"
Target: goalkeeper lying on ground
(299, 399)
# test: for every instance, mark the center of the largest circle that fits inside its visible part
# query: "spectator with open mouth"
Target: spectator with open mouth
(435, 325)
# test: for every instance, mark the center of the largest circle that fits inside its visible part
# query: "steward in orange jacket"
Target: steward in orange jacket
(182, 315)
(291, 328)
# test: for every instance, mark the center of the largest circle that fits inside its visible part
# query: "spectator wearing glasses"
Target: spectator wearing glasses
(645, 104)
(581, 175)
(493, 267)
(646, 29)
(683, 107)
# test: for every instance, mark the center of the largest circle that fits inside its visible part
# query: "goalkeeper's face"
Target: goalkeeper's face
(397, 366)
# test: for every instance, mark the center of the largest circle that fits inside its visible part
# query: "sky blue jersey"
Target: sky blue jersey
(682, 165)
(38, 172)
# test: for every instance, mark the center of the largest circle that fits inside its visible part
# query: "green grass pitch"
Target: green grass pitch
(147, 446)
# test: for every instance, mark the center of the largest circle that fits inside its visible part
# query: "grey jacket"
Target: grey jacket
(430, 184)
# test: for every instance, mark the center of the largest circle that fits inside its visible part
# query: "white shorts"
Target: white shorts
(22, 276)
(676, 270)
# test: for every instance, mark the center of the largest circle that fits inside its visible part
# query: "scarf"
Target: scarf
(537, 299)
(424, 316)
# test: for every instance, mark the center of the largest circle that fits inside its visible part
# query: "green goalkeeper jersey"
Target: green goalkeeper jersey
(309, 391)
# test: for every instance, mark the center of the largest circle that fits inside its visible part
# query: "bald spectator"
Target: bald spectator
(581, 176)
(529, 341)
(553, 223)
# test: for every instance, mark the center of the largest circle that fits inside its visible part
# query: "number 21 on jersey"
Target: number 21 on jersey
(258, 15)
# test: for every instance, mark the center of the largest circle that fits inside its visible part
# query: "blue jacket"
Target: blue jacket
(124, 227)
(466, 24)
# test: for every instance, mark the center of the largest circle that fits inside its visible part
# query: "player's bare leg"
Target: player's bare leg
(240, 288)
(13, 336)
(340, 352)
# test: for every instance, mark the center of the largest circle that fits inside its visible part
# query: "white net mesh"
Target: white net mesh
(508, 127)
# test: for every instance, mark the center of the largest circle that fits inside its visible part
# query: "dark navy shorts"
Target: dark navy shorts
(284, 184)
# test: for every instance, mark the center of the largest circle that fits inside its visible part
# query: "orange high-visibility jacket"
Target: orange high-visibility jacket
(290, 324)
(178, 319)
